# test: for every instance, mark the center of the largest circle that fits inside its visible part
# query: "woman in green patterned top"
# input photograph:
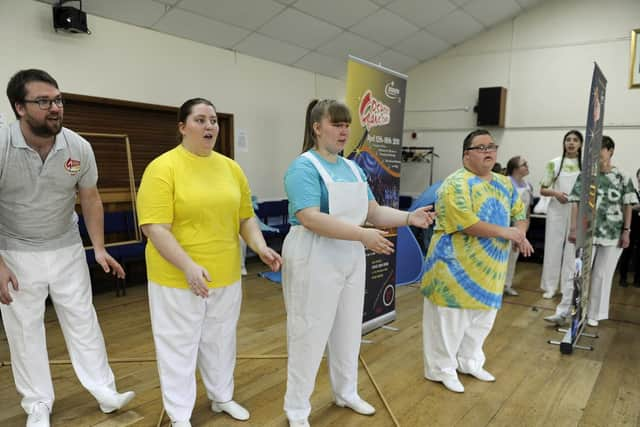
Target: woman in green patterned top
(614, 201)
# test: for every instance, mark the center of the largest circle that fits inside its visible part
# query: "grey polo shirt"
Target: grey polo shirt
(37, 198)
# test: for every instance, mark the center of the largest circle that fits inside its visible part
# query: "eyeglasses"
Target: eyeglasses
(525, 164)
(46, 103)
(484, 148)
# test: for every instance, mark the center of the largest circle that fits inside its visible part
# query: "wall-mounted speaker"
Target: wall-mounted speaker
(492, 102)
(69, 19)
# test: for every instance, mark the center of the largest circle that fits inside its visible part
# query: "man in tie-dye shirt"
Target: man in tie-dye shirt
(479, 216)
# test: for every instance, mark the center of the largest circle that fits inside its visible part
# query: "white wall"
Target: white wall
(544, 58)
(121, 61)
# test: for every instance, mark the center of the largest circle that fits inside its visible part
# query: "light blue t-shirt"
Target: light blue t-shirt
(305, 188)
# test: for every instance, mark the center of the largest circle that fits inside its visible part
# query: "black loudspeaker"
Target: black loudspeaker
(69, 19)
(492, 102)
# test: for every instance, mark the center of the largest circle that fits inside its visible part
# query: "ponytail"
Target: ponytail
(309, 136)
(336, 111)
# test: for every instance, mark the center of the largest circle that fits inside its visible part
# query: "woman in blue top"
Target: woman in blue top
(324, 260)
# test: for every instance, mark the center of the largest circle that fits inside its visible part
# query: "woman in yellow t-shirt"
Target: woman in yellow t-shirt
(193, 203)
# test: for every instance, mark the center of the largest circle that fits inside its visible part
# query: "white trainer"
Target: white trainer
(592, 322)
(358, 405)
(481, 374)
(558, 319)
(299, 423)
(112, 400)
(39, 416)
(548, 295)
(452, 383)
(511, 292)
(232, 408)
(181, 424)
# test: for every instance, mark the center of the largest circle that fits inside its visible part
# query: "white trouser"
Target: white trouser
(188, 329)
(323, 284)
(559, 254)
(64, 276)
(511, 267)
(452, 339)
(605, 260)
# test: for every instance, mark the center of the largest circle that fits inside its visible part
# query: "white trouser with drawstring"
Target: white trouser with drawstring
(559, 254)
(323, 284)
(189, 330)
(63, 275)
(453, 338)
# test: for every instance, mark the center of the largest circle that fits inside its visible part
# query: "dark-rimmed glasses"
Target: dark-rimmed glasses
(484, 148)
(46, 103)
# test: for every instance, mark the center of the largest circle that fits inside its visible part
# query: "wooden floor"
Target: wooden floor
(536, 385)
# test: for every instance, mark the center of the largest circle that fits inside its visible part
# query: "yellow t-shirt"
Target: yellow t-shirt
(204, 199)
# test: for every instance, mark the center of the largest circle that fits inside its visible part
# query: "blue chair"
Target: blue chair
(409, 258)
(122, 225)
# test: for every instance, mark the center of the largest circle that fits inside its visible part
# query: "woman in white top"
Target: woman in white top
(517, 169)
(560, 175)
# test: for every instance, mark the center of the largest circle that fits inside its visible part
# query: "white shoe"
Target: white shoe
(181, 424)
(232, 408)
(358, 405)
(592, 322)
(548, 295)
(112, 400)
(510, 291)
(39, 416)
(299, 423)
(452, 383)
(481, 374)
(558, 319)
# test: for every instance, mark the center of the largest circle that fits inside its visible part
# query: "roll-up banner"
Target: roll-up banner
(586, 210)
(376, 96)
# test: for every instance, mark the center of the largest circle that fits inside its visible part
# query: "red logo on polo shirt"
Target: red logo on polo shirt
(72, 166)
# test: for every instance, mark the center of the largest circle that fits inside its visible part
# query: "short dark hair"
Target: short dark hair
(608, 143)
(187, 106)
(17, 86)
(469, 138)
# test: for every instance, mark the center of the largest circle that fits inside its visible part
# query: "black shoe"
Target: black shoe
(624, 284)
(636, 284)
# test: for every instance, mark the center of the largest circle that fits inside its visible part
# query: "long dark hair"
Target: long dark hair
(564, 152)
(316, 110)
(185, 110)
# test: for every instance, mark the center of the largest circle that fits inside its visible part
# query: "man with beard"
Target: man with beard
(479, 216)
(42, 168)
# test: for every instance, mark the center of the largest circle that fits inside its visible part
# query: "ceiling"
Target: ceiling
(317, 35)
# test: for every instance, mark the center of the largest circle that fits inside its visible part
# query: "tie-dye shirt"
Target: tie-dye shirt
(464, 271)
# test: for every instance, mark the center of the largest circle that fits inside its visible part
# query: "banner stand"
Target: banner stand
(376, 97)
(585, 225)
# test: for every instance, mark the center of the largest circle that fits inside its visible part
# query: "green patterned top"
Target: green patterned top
(569, 167)
(615, 189)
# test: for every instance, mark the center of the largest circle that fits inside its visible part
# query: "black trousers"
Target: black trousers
(631, 255)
